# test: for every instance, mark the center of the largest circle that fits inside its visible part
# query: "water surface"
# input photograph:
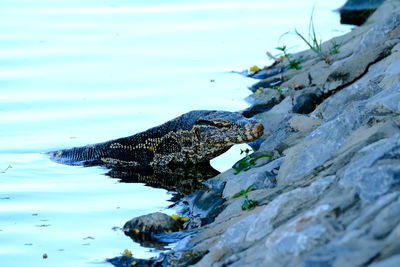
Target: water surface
(78, 72)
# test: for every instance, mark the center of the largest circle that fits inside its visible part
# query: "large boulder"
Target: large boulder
(356, 12)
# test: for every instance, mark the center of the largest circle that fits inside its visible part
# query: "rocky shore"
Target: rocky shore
(328, 194)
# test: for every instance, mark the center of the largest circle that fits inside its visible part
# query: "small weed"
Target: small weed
(293, 64)
(243, 192)
(249, 204)
(312, 41)
(334, 48)
(247, 163)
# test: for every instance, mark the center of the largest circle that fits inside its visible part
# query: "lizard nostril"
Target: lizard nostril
(258, 130)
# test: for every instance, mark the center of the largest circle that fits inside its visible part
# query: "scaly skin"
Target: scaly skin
(190, 139)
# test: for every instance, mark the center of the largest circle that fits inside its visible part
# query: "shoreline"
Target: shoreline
(329, 193)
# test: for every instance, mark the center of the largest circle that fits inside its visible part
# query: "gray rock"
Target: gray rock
(302, 123)
(390, 262)
(284, 206)
(387, 101)
(379, 32)
(374, 170)
(276, 127)
(321, 144)
(344, 73)
(261, 177)
(365, 88)
(337, 198)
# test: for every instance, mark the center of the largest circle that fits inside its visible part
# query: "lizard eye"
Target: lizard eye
(220, 123)
(215, 123)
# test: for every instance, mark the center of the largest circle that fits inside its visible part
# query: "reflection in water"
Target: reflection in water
(180, 180)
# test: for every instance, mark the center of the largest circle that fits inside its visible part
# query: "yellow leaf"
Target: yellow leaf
(175, 217)
(179, 218)
(254, 68)
(126, 253)
(259, 89)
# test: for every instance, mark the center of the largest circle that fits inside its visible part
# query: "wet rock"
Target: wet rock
(356, 12)
(267, 83)
(202, 206)
(143, 229)
(156, 222)
(128, 261)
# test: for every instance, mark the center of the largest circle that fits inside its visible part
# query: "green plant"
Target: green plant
(247, 163)
(334, 48)
(249, 203)
(293, 63)
(312, 41)
(243, 192)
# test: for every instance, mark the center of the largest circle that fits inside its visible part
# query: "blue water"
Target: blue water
(79, 72)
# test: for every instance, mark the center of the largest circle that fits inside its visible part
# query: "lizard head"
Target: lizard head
(227, 128)
(217, 131)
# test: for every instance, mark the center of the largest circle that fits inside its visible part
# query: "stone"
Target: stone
(152, 223)
(356, 12)
(261, 177)
(336, 199)
(321, 144)
(374, 170)
(306, 103)
(390, 262)
(277, 120)
(262, 101)
(302, 123)
(387, 101)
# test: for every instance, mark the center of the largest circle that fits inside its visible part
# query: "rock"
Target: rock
(152, 223)
(276, 121)
(129, 261)
(267, 83)
(302, 123)
(390, 262)
(143, 229)
(261, 177)
(306, 103)
(336, 197)
(202, 206)
(262, 102)
(356, 12)
(366, 173)
(355, 66)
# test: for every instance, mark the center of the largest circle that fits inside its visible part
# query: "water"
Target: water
(78, 72)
